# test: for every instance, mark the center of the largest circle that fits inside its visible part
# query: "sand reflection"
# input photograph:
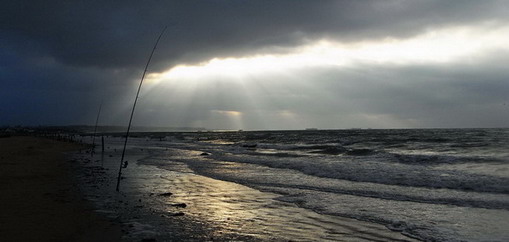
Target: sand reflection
(214, 209)
(234, 208)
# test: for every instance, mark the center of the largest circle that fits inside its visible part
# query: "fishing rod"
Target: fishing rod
(134, 106)
(95, 129)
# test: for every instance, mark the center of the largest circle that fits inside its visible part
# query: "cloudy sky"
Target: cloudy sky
(259, 64)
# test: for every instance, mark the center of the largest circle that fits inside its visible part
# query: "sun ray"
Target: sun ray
(273, 84)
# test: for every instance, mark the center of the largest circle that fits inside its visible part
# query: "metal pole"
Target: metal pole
(132, 111)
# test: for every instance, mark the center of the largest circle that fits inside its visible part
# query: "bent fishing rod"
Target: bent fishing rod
(132, 111)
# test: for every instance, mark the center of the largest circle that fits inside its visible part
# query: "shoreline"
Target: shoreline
(52, 191)
(41, 200)
(182, 189)
(150, 199)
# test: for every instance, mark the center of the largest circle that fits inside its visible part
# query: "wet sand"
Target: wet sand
(39, 198)
(49, 196)
(214, 209)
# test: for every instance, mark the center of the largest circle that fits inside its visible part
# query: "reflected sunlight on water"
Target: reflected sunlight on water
(239, 209)
(214, 209)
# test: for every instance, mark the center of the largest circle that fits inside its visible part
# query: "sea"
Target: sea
(306, 185)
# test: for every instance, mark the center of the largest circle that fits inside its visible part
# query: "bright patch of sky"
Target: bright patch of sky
(443, 46)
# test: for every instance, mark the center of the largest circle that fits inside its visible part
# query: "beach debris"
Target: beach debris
(166, 194)
(179, 205)
(177, 214)
(249, 145)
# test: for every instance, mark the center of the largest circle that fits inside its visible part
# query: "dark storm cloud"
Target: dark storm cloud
(59, 59)
(118, 34)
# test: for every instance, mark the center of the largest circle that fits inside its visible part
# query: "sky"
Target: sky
(257, 64)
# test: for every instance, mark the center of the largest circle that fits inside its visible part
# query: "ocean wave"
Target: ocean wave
(444, 196)
(435, 159)
(330, 150)
(380, 172)
(361, 152)
(378, 166)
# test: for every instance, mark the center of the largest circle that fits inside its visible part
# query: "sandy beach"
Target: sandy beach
(39, 198)
(162, 199)
(184, 189)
